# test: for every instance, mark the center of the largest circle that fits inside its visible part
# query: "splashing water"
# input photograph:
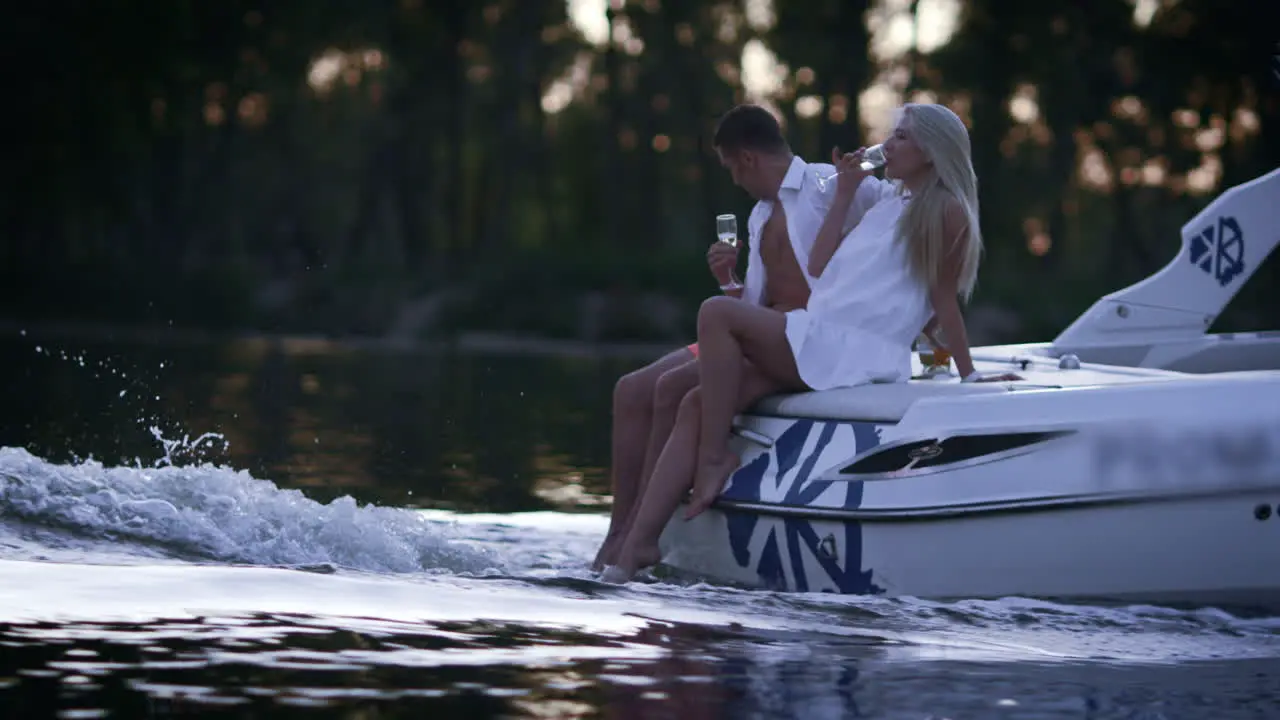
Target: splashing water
(186, 445)
(220, 514)
(187, 505)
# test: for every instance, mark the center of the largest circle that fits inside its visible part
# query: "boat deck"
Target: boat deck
(888, 402)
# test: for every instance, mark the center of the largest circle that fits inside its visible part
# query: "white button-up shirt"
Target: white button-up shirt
(805, 207)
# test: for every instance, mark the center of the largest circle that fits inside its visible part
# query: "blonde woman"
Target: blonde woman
(907, 263)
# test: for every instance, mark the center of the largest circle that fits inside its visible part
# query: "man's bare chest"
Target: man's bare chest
(775, 243)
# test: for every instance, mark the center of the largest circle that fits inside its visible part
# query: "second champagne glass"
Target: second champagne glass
(727, 229)
(727, 232)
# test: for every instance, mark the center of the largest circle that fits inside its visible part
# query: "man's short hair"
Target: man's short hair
(749, 127)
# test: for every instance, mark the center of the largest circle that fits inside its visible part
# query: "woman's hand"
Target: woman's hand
(849, 165)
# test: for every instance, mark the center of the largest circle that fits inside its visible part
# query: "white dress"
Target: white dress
(866, 308)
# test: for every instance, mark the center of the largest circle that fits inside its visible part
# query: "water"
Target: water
(376, 534)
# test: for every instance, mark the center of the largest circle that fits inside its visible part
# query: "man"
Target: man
(781, 229)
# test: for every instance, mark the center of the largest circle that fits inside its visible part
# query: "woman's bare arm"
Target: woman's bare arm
(944, 295)
(837, 223)
(830, 234)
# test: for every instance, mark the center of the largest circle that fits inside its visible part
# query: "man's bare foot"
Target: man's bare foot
(608, 552)
(630, 563)
(602, 557)
(713, 473)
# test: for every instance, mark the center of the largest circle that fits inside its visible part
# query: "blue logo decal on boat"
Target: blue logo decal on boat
(1218, 250)
(797, 536)
(745, 482)
(770, 568)
(744, 485)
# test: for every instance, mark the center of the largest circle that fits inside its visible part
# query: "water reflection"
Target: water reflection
(427, 429)
(349, 667)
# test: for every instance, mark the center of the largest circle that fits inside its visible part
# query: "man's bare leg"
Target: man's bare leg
(668, 393)
(632, 417)
(667, 396)
(672, 477)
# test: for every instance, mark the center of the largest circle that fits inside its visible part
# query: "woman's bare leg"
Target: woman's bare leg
(729, 332)
(632, 418)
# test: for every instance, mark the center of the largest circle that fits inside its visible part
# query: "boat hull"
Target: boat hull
(1221, 550)
(974, 497)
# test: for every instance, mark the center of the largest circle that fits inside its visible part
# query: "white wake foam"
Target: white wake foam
(226, 515)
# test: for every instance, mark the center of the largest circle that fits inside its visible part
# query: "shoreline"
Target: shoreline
(487, 343)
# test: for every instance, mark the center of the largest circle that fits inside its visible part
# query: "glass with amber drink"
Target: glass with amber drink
(935, 359)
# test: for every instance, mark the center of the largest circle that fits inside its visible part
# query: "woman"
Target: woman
(904, 266)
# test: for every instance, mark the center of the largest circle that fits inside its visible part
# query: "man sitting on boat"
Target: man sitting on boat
(790, 207)
(914, 252)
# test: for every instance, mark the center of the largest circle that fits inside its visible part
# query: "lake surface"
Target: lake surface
(293, 528)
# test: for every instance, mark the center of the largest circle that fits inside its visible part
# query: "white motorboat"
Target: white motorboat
(1138, 460)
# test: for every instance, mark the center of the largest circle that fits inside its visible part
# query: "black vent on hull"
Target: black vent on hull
(933, 453)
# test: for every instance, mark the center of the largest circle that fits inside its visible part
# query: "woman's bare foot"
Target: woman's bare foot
(630, 563)
(713, 473)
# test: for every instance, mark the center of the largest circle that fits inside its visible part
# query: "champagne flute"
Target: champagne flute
(872, 158)
(727, 231)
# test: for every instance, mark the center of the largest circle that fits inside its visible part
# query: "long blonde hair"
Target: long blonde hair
(944, 140)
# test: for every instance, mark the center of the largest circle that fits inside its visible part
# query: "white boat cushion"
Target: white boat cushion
(877, 402)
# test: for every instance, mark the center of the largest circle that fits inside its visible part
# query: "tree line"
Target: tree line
(423, 168)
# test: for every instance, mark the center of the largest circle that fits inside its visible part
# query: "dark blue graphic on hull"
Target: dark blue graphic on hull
(798, 490)
(743, 525)
(745, 485)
